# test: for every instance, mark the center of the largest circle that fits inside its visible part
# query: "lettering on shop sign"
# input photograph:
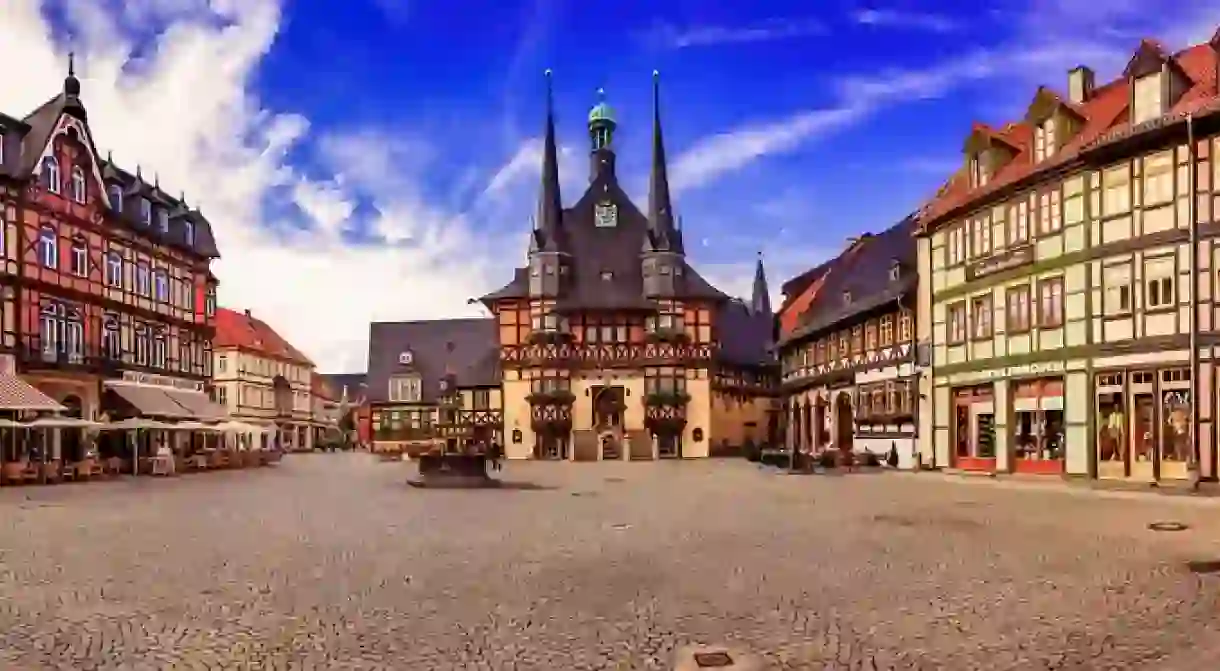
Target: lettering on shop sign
(1011, 259)
(155, 380)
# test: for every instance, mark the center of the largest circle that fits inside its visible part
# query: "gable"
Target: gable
(68, 124)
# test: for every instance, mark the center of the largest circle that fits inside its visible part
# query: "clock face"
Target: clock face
(606, 215)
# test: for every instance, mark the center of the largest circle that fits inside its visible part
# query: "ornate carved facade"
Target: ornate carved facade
(108, 297)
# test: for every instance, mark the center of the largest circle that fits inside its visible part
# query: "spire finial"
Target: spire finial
(110, 156)
(601, 94)
(71, 83)
(139, 172)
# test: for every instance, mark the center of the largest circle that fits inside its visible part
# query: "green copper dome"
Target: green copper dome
(601, 111)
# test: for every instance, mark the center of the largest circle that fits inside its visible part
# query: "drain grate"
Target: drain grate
(1204, 567)
(713, 660)
(1168, 526)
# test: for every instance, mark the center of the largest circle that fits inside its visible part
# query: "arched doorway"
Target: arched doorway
(844, 424)
(608, 407)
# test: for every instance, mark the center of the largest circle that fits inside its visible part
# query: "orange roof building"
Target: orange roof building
(1056, 272)
(262, 379)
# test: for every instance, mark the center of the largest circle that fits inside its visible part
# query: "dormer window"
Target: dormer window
(895, 271)
(116, 197)
(163, 220)
(145, 212)
(978, 171)
(1147, 98)
(188, 232)
(78, 184)
(1045, 142)
(847, 297)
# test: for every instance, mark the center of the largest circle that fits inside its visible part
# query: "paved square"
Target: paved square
(332, 562)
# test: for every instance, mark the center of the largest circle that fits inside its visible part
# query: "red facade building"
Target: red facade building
(108, 298)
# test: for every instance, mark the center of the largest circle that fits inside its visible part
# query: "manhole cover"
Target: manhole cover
(1168, 526)
(712, 660)
(1204, 567)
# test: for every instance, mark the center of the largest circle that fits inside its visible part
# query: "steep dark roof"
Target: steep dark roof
(353, 382)
(865, 275)
(745, 336)
(463, 347)
(36, 130)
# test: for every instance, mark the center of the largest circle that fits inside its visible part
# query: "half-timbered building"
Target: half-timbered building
(1071, 281)
(611, 345)
(847, 350)
(434, 385)
(108, 299)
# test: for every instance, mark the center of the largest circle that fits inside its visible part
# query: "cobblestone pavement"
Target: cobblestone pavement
(331, 562)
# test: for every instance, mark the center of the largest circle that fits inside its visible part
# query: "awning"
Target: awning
(17, 394)
(200, 406)
(149, 401)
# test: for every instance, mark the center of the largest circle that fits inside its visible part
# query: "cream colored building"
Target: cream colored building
(1056, 298)
(262, 380)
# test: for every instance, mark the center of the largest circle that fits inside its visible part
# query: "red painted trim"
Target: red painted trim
(976, 464)
(1039, 466)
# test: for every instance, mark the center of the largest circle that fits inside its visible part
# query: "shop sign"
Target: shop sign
(155, 380)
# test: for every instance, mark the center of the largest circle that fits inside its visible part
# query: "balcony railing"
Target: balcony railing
(39, 355)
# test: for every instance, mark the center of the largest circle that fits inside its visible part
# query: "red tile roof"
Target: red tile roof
(243, 331)
(1105, 117)
(790, 313)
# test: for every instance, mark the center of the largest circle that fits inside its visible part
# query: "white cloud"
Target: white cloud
(188, 114)
(890, 18)
(668, 36)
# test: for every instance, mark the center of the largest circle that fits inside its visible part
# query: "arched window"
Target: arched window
(114, 269)
(74, 337)
(48, 247)
(116, 197)
(51, 330)
(142, 345)
(111, 345)
(160, 349)
(50, 174)
(142, 279)
(80, 257)
(78, 184)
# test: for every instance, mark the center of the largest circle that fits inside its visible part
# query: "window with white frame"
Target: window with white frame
(1158, 179)
(78, 184)
(142, 344)
(1045, 140)
(665, 322)
(50, 330)
(48, 247)
(160, 350)
(222, 363)
(163, 219)
(74, 336)
(550, 322)
(209, 301)
(1159, 288)
(116, 197)
(405, 389)
(978, 171)
(50, 174)
(112, 346)
(79, 261)
(188, 232)
(1147, 99)
(980, 236)
(1116, 190)
(956, 239)
(145, 211)
(114, 269)
(142, 279)
(222, 396)
(1018, 222)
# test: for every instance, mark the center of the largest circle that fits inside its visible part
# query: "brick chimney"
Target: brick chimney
(1081, 82)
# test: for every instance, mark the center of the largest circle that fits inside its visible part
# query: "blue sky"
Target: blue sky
(380, 161)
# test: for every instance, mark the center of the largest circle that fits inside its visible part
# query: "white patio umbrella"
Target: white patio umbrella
(60, 423)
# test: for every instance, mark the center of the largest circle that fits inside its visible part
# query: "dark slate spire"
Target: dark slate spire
(550, 205)
(72, 101)
(660, 208)
(760, 302)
